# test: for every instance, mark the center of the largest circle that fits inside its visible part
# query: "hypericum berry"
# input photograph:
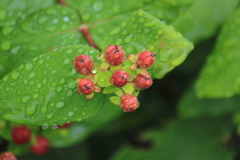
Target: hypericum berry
(21, 135)
(115, 55)
(143, 81)
(86, 86)
(120, 78)
(145, 59)
(66, 125)
(7, 156)
(129, 103)
(41, 146)
(83, 64)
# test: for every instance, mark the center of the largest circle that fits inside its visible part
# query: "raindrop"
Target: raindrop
(15, 75)
(69, 51)
(59, 89)
(39, 85)
(44, 109)
(5, 78)
(15, 50)
(32, 75)
(49, 116)
(62, 81)
(6, 45)
(66, 61)
(40, 61)
(97, 6)
(115, 31)
(28, 66)
(94, 71)
(150, 23)
(42, 19)
(7, 30)
(70, 114)
(124, 24)
(51, 28)
(79, 119)
(141, 20)
(54, 71)
(25, 81)
(55, 127)
(69, 93)
(44, 81)
(60, 104)
(25, 99)
(66, 19)
(75, 108)
(128, 38)
(35, 95)
(32, 108)
(3, 14)
(44, 127)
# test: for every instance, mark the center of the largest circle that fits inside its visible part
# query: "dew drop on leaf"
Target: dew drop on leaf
(53, 71)
(44, 81)
(15, 75)
(6, 45)
(128, 38)
(3, 14)
(70, 114)
(44, 109)
(69, 93)
(55, 127)
(5, 78)
(25, 81)
(42, 19)
(32, 75)
(119, 41)
(66, 61)
(32, 108)
(35, 96)
(44, 127)
(69, 51)
(25, 99)
(60, 104)
(7, 30)
(49, 116)
(79, 119)
(15, 50)
(59, 89)
(28, 66)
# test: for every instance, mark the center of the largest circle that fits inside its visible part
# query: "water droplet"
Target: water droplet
(3, 14)
(44, 127)
(62, 81)
(51, 11)
(84, 113)
(44, 109)
(70, 114)
(60, 104)
(28, 66)
(97, 6)
(54, 84)
(25, 81)
(146, 30)
(7, 30)
(26, 26)
(150, 23)
(124, 24)
(44, 81)
(73, 71)
(66, 61)
(115, 31)
(75, 108)
(69, 93)
(35, 95)
(53, 71)
(15, 50)
(5, 78)
(25, 99)
(55, 127)
(79, 119)
(6, 45)
(94, 71)
(51, 28)
(42, 19)
(140, 13)
(40, 61)
(118, 41)
(66, 19)
(69, 51)
(49, 116)
(128, 38)
(32, 108)
(141, 20)
(15, 75)
(59, 89)
(39, 85)
(32, 75)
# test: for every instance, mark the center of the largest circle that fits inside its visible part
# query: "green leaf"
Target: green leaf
(110, 89)
(143, 31)
(184, 140)
(191, 107)
(12, 10)
(197, 25)
(41, 32)
(79, 131)
(128, 88)
(103, 78)
(44, 91)
(18, 149)
(220, 75)
(115, 100)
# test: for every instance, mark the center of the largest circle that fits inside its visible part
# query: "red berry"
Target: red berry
(143, 81)
(85, 86)
(66, 125)
(7, 156)
(83, 64)
(115, 55)
(129, 103)
(41, 146)
(120, 78)
(21, 135)
(145, 59)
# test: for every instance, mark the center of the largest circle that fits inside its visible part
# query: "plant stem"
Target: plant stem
(62, 2)
(84, 30)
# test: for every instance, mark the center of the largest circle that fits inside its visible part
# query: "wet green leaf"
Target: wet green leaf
(79, 131)
(197, 25)
(191, 107)
(12, 10)
(44, 91)
(143, 31)
(39, 33)
(220, 75)
(184, 140)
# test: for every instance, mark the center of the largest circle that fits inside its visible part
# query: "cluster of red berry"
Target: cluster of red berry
(127, 80)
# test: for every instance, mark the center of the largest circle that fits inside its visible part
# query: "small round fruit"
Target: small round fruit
(21, 135)
(129, 103)
(41, 146)
(115, 55)
(83, 64)
(120, 78)
(143, 81)
(85, 86)
(145, 59)
(7, 156)
(66, 125)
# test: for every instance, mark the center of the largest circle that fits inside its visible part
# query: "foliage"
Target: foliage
(179, 115)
